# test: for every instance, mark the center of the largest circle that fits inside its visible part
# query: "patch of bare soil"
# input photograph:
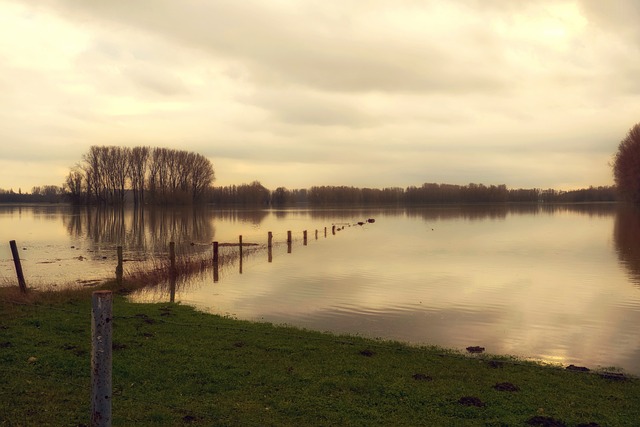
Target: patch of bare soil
(540, 420)
(506, 386)
(471, 401)
(421, 377)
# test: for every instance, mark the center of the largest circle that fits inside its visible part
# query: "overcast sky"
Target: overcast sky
(297, 93)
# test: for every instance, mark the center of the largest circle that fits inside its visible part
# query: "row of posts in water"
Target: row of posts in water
(216, 256)
(172, 256)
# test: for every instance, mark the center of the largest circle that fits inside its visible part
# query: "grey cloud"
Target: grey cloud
(280, 49)
(121, 69)
(154, 80)
(303, 108)
(620, 16)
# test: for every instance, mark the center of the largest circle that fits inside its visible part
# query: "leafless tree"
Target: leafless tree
(168, 176)
(626, 166)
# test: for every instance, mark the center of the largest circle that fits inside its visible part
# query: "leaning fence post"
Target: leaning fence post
(16, 261)
(101, 327)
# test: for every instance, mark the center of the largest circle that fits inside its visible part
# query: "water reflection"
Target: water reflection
(143, 230)
(535, 281)
(626, 235)
(546, 281)
(501, 211)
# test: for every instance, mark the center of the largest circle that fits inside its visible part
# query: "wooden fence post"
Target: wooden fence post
(16, 261)
(101, 332)
(172, 257)
(173, 273)
(269, 239)
(119, 268)
(304, 237)
(240, 244)
(215, 253)
(289, 236)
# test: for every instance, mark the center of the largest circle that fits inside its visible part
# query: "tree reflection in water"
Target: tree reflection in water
(626, 235)
(141, 230)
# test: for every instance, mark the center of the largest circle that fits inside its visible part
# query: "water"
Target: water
(553, 283)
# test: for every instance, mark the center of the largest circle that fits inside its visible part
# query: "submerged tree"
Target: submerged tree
(626, 166)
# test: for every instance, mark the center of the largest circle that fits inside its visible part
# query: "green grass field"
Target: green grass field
(173, 365)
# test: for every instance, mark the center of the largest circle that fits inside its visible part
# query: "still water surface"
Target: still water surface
(553, 283)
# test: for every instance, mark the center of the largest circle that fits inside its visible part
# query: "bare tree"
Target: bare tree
(73, 185)
(138, 164)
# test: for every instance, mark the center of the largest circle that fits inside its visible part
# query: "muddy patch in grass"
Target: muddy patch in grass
(542, 421)
(471, 401)
(421, 377)
(506, 386)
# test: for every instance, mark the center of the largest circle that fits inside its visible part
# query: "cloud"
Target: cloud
(381, 93)
(310, 44)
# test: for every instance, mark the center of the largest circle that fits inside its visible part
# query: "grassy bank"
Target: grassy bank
(175, 366)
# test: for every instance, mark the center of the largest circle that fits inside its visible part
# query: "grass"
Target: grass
(173, 365)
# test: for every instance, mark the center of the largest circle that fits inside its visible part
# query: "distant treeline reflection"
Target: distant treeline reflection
(152, 228)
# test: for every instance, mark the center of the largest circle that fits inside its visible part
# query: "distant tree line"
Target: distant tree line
(155, 188)
(151, 175)
(255, 194)
(44, 194)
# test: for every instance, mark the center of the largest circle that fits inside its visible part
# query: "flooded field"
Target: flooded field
(553, 283)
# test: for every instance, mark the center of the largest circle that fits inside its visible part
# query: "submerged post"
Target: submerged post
(172, 257)
(101, 332)
(215, 253)
(240, 243)
(172, 288)
(16, 261)
(119, 268)
(333, 229)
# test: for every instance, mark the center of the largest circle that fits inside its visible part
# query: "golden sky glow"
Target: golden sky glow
(385, 93)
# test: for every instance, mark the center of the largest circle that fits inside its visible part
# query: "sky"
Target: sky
(297, 93)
